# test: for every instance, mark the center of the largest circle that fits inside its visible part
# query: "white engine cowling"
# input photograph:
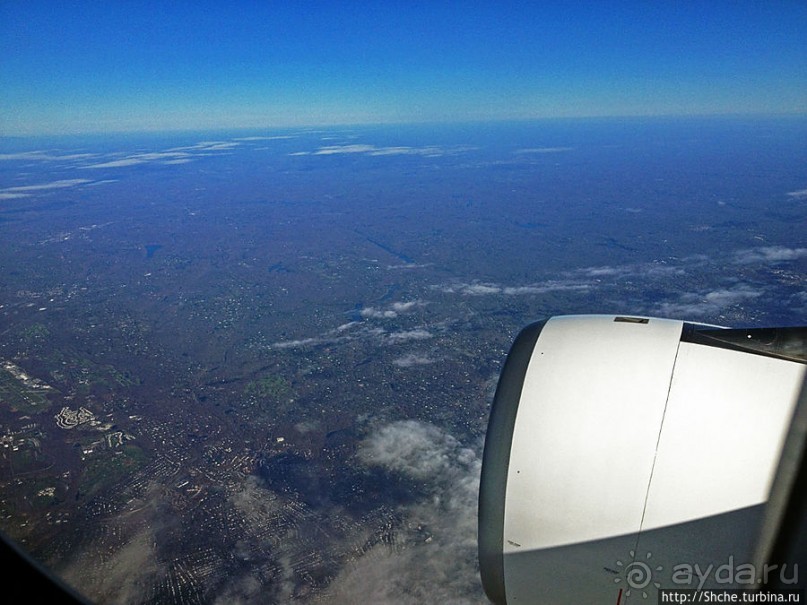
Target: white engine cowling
(624, 452)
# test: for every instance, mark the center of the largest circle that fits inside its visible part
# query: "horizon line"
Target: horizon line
(403, 123)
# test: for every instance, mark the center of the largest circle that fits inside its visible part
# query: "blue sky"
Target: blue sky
(91, 66)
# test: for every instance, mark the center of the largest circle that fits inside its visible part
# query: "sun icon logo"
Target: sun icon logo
(638, 574)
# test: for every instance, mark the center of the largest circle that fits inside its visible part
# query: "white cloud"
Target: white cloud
(175, 155)
(25, 155)
(798, 194)
(43, 156)
(654, 269)
(206, 146)
(543, 150)
(480, 289)
(550, 287)
(601, 271)
(358, 148)
(395, 309)
(435, 560)
(409, 266)
(412, 360)
(341, 333)
(124, 573)
(142, 158)
(336, 149)
(45, 186)
(770, 254)
(724, 298)
(272, 138)
(710, 303)
(416, 334)
(425, 151)
(487, 289)
(347, 326)
(373, 313)
(293, 344)
(416, 449)
(22, 191)
(403, 307)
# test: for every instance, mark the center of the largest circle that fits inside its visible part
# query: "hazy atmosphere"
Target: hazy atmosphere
(261, 263)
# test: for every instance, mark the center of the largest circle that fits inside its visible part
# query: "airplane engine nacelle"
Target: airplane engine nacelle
(624, 455)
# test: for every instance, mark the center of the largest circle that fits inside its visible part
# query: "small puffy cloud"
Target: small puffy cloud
(472, 289)
(216, 145)
(404, 335)
(393, 311)
(412, 360)
(373, 313)
(654, 269)
(480, 289)
(118, 163)
(294, 344)
(801, 193)
(437, 562)
(708, 304)
(418, 450)
(602, 271)
(347, 326)
(724, 298)
(403, 307)
(770, 254)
